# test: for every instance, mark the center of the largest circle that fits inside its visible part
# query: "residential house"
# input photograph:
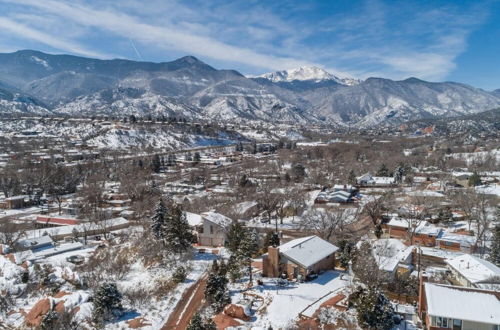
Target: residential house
(14, 202)
(338, 194)
(299, 258)
(44, 221)
(369, 180)
(35, 243)
(424, 234)
(213, 231)
(432, 256)
(458, 308)
(456, 242)
(474, 272)
(392, 256)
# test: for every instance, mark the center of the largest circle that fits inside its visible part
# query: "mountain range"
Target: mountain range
(33, 82)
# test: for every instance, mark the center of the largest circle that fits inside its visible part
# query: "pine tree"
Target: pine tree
(383, 171)
(158, 220)
(197, 157)
(352, 178)
(378, 231)
(177, 235)
(475, 180)
(398, 174)
(347, 249)
(248, 247)
(49, 320)
(196, 322)
(107, 303)
(156, 164)
(495, 247)
(216, 292)
(210, 324)
(374, 310)
(244, 181)
(235, 236)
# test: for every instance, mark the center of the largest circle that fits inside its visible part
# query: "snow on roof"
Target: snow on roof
(472, 268)
(463, 240)
(390, 252)
(67, 230)
(383, 179)
(217, 218)
(424, 227)
(58, 249)
(33, 243)
(193, 219)
(307, 251)
(439, 253)
(456, 303)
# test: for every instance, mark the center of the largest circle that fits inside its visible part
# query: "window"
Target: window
(457, 324)
(442, 322)
(211, 229)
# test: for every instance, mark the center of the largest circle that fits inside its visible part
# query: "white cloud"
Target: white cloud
(49, 40)
(372, 39)
(165, 37)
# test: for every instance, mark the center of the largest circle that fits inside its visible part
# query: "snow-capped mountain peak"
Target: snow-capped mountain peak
(306, 73)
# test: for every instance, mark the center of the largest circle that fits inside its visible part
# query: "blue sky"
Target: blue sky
(432, 40)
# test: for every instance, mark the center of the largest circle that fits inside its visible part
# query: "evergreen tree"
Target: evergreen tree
(235, 236)
(398, 174)
(244, 182)
(196, 322)
(234, 268)
(216, 292)
(346, 251)
(475, 180)
(49, 320)
(107, 303)
(210, 324)
(495, 247)
(248, 247)
(177, 235)
(352, 178)
(196, 157)
(378, 231)
(156, 164)
(374, 310)
(158, 220)
(383, 171)
(180, 274)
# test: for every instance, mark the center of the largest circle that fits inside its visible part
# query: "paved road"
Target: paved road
(190, 303)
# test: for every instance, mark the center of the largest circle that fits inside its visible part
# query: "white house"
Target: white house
(458, 308)
(392, 255)
(471, 271)
(369, 180)
(213, 232)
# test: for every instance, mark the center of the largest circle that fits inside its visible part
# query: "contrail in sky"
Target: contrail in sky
(135, 49)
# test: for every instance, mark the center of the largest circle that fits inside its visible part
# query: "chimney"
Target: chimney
(273, 261)
(422, 306)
